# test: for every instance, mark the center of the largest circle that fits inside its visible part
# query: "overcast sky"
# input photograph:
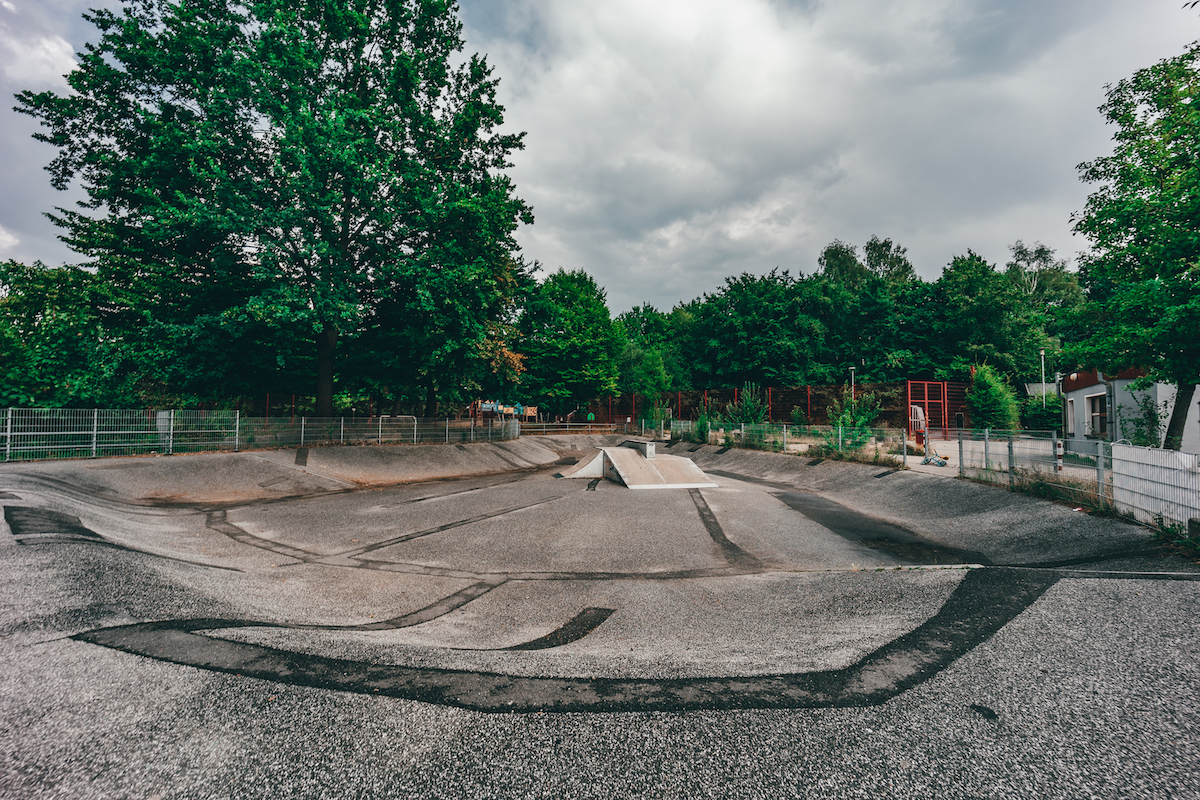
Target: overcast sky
(671, 144)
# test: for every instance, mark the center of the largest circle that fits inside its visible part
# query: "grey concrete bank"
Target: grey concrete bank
(458, 622)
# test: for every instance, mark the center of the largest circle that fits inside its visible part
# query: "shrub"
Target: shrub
(1036, 418)
(854, 416)
(992, 402)
(1146, 423)
(750, 407)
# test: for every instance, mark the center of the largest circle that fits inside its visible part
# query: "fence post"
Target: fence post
(447, 430)
(1100, 472)
(962, 470)
(839, 438)
(785, 439)
(1012, 463)
(379, 436)
(171, 435)
(987, 458)
(8, 436)
(95, 429)
(1058, 451)
(342, 431)
(302, 418)
(237, 429)
(904, 445)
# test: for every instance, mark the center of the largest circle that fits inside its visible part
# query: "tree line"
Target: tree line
(310, 197)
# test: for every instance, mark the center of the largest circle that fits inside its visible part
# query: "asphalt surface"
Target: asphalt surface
(457, 622)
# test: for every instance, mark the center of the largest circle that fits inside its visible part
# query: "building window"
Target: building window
(1071, 416)
(1097, 415)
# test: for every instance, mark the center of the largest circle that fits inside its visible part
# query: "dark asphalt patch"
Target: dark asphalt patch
(875, 533)
(734, 555)
(302, 457)
(985, 601)
(580, 626)
(26, 521)
(985, 712)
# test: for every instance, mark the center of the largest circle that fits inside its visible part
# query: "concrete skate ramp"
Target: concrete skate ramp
(630, 468)
(273, 474)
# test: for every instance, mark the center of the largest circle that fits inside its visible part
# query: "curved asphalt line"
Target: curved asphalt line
(985, 601)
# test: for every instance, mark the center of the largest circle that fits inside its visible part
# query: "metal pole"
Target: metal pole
(962, 470)
(95, 429)
(342, 432)
(447, 430)
(379, 436)
(1043, 353)
(839, 438)
(1058, 451)
(1012, 463)
(8, 436)
(1100, 471)
(785, 439)
(171, 436)
(904, 445)
(987, 458)
(237, 430)
(302, 431)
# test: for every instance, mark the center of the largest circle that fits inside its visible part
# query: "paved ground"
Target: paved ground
(299, 624)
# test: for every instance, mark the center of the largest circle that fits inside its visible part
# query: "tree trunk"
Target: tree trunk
(430, 401)
(1183, 403)
(326, 344)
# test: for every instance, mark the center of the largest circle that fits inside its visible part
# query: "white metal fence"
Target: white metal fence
(1154, 486)
(47, 433)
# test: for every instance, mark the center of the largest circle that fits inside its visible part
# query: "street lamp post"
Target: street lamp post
(1043, 353)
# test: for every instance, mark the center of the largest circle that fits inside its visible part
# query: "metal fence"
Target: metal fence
(574, 428)
(1154, 486)
(48, 433)
(858, 442)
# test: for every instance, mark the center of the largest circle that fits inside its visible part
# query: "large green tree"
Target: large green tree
(569, 342)
(1142, 275)
(49, 336)
(308, 167)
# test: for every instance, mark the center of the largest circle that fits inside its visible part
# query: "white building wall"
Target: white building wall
(1119, 426)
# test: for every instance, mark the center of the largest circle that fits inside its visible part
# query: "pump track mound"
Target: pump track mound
(507, 578)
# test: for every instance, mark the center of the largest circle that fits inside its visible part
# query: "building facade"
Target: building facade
(1097, 406)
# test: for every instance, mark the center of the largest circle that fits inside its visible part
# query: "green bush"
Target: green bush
(854, 415)
(1146, 426)
(1036, 418)
(750, 407)
(992, 402)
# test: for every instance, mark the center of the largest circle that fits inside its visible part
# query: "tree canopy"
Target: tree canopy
(1142, 275)
(267, 172)
(570, 343)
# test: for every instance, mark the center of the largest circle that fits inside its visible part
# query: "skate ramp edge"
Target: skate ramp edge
(631, 468)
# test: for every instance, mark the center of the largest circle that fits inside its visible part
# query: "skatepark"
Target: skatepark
(585, 616)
